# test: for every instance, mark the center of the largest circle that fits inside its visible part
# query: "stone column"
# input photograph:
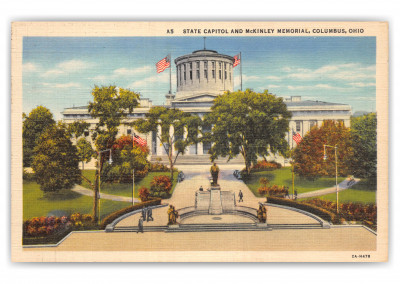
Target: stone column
(185, 134)
(159, 144)
(200, 144)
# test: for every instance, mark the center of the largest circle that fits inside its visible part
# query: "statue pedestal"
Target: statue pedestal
(215, 201)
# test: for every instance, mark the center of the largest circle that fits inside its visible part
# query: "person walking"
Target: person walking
(295, 194)
(144, 213)
(140, 225)
(240, 196)
(150, 214)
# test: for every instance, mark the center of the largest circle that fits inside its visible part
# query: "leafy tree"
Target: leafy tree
(56, 161)
(38, 120)
(363, 133)
(127, 156)
(308, 155)
(77, 128)
(167, 119)
(110, 105)
(85, 151)
(247, 123)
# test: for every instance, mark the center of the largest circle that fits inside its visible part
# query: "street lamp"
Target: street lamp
(110, 162)
(336, 176)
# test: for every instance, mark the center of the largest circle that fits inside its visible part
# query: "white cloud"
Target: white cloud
(313, 87)
(69, 66)
(132, 71)
(362, 85)
(29, 67)
(273, 78)
(62, 85)
(159, 78)
(346, 72)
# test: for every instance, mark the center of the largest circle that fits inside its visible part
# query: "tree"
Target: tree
(308, 155)
(173, 124)
(110, 105)
(77, 128)
(363, 134)
(38, 120)
(127, 156)
(247, 123)
(85, 151)
(56, 160)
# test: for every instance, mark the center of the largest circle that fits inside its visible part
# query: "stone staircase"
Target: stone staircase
(145, 229)
(196, 160)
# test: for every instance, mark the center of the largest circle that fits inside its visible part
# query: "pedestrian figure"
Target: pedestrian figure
(295, 194)
(144, 213)
(140, 225)
(240, 196)
(150, 214)
(201, 188)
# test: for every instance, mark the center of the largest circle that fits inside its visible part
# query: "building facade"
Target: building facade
(201, 77)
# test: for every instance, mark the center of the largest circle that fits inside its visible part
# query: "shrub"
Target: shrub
(160, 184)
(158, 167)
(110, 218)
(26, 176)
(274, 190)
(320, 212)
(144, 193)
(265, 165)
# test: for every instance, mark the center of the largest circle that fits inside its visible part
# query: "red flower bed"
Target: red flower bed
(265, 165)
(274, 190)
(144, 193)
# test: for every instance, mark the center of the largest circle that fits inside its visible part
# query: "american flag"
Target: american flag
(163, 64)
(237, 60)
(297, 137)
(139, 140)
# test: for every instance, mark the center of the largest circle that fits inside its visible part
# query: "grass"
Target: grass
(283, 176)
(64, 202)
(362, 192)
(125, 189)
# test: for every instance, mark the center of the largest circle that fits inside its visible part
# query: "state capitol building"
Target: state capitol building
(202, 76)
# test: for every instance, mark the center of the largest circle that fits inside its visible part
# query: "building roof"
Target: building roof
(311, 103)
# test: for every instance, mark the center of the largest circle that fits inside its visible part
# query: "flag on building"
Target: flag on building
(163, 64)
(139, 140)
(297, 137)
(237, 60)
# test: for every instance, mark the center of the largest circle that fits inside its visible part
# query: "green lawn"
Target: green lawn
(65, 202)
(362, 192)
(125, 189)
(283, 176)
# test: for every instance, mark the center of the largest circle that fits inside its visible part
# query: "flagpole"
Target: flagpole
(241, 62)
(170, 74)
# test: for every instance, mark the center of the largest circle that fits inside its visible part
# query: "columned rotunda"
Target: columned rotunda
(202, 76)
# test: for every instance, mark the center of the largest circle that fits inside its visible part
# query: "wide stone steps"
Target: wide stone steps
(145, 228)
(294, 226)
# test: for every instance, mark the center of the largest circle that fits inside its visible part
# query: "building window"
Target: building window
(206, 147)
(190, 75)
(197, 64)
(225, 75)
(205, 65)
(213, 74)
(197, 74)
(220, 74)
(224, 65)
(313, 123)
(205, 73)
(190, 65)
(341, 122)
(213, 64)
(230, 76)
(129, 131)
(298, 126)
(86, 133)
(220, 65)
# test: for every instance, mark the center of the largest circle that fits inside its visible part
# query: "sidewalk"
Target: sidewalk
(342, 186)
(84, 191)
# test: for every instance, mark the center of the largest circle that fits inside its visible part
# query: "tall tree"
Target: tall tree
(309, 154)
(77, 128)
(247, 123)
(56, 161)
(173, 124)
(34, 124)
(85, 151)
(363, 133)
(110, 105)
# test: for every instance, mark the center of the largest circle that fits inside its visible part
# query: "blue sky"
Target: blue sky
(59, 72)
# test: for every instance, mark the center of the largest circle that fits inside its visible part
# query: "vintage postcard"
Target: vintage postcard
(199, 142)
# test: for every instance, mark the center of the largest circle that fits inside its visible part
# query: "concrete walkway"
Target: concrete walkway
(84, 191)
(342, 186)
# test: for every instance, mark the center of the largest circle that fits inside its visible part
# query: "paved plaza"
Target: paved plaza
(344, 238)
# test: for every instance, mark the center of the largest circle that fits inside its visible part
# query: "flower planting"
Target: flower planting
(144, 194)
(273, 190)
(266, 166)
(160, 186)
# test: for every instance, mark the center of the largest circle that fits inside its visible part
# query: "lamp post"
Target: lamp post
(100, 166)
(336, 175)
(133, 187)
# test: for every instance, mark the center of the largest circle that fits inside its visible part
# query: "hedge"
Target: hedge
(320, 212)
(51, 239)
(110, 218)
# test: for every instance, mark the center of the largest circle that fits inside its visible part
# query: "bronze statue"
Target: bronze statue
(172, 215)
(262, 214)
(214, 174)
